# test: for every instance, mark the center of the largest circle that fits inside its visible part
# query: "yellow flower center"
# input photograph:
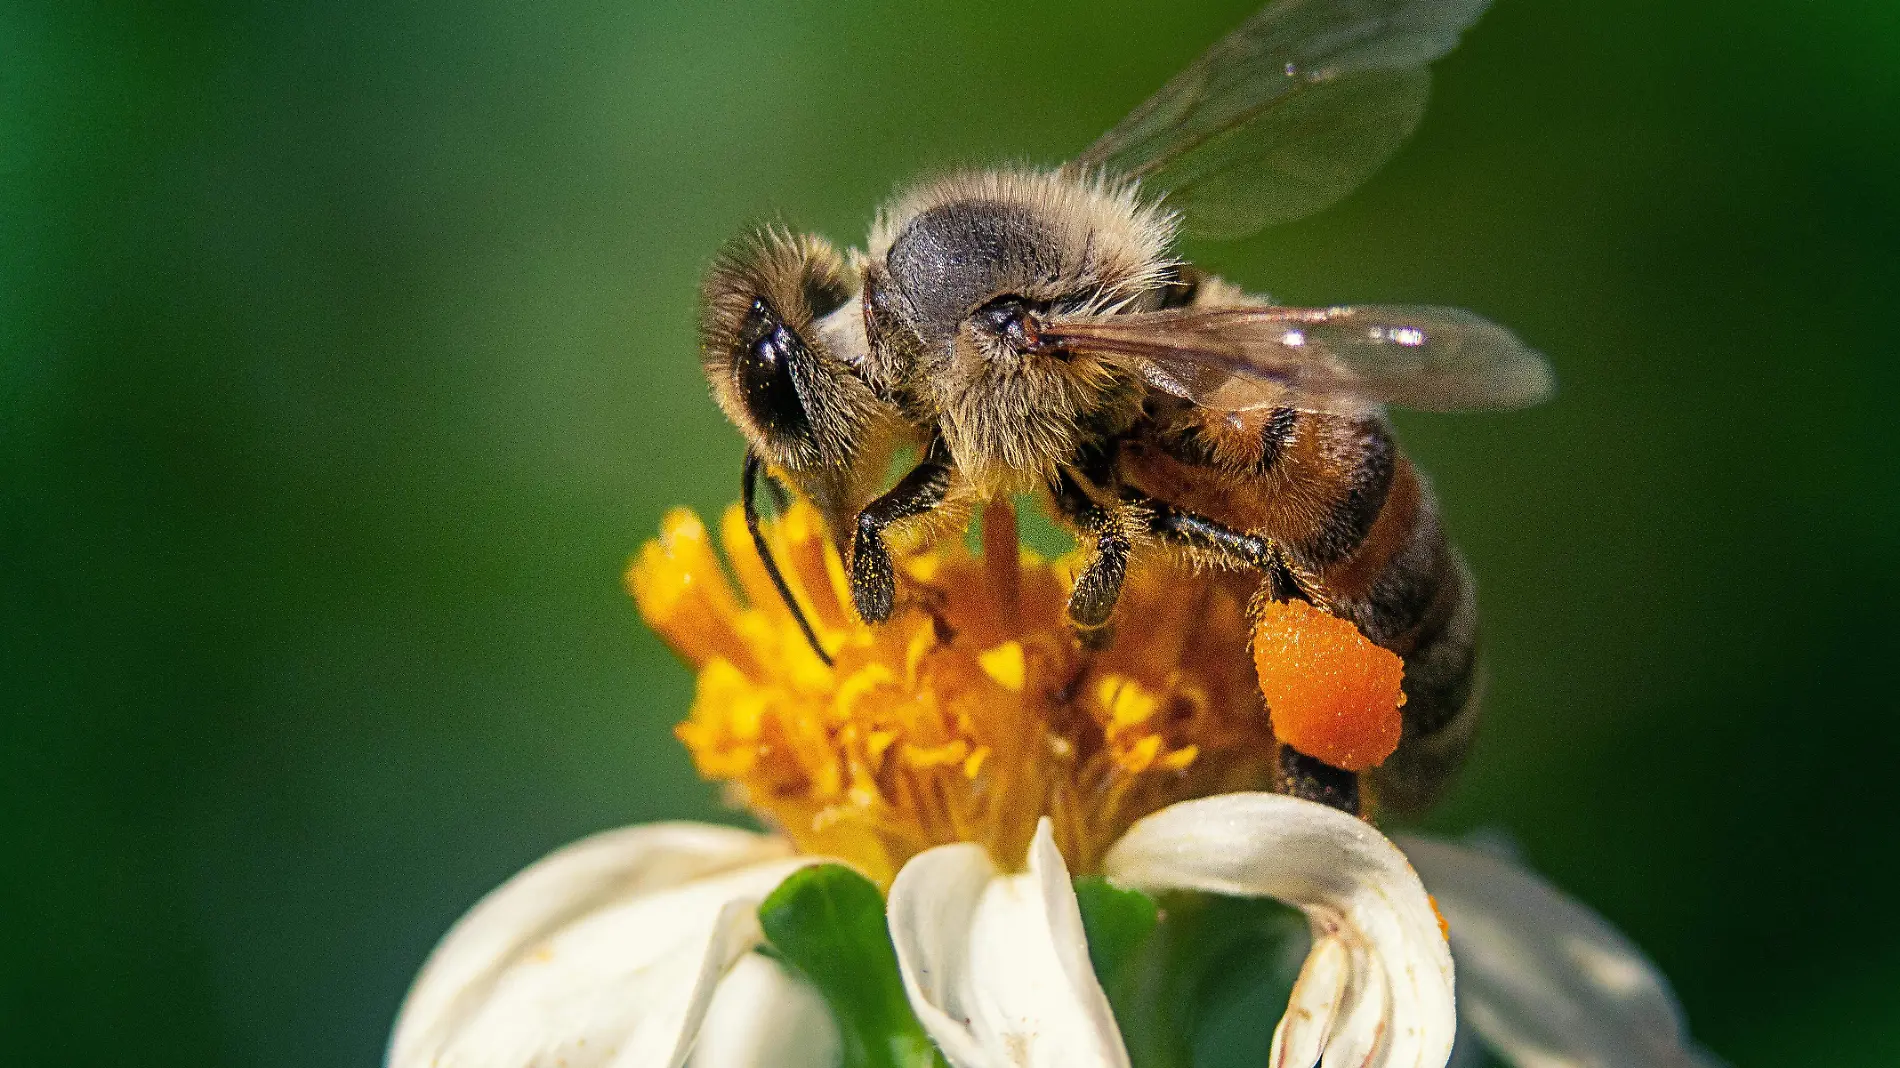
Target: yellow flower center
(973, 712)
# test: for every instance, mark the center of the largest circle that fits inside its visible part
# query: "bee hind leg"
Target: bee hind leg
(1231, 546)
(1297, 774)
(1312, 779)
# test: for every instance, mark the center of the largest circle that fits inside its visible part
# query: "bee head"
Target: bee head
(773, 310)
(781, 338)
(963, 274)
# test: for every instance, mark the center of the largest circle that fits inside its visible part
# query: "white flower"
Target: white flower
(999, 973)
(1377, 985)
(613, 951)
(631, 948)
(966, 756)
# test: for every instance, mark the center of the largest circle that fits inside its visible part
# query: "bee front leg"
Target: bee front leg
(873, 579)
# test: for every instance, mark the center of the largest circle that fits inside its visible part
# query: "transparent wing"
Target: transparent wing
(1322, 359)
(1287, 113)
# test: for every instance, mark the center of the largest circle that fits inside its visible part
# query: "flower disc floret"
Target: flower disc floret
(971, 714)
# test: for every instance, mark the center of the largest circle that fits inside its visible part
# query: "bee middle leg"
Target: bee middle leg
(1099, 585)
(1298, 774)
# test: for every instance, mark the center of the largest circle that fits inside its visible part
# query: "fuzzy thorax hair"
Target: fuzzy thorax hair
(1062, 246)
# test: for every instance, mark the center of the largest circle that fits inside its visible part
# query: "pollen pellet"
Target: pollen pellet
(1331, 693)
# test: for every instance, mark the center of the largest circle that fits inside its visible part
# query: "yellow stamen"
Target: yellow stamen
(1005, 664)
(972, 713)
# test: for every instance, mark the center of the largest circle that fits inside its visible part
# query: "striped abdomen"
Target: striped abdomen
(1358, 529)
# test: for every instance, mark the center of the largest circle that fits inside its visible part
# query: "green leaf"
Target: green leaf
(1246, 954)
(1118, 923)
(827, 922)
(1196, 980)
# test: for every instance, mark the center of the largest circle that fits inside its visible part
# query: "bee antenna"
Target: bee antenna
(748, 493)
(775, 489)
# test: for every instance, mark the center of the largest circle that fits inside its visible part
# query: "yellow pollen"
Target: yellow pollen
(1005, 664)
(969, 715)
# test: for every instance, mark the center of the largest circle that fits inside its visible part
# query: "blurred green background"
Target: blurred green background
(348, 355)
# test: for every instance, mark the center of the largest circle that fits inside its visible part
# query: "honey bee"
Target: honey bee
(1033, 331)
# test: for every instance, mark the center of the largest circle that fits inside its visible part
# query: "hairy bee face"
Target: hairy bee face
(768, 356)
(780, 339)
(962, 275)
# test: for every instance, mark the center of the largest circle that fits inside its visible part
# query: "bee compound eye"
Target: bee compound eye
(1010, 319)
(769, 358)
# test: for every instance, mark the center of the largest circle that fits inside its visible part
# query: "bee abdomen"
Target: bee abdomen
(1423, 606)
(1249, 447)
(1368, 460)
(1358, 528)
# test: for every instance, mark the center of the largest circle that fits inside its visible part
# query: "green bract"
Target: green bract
(1196, 980)
(828, 923)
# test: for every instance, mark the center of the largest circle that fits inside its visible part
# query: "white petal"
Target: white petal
(1356, 888)
(764, 1017)
(626, 985)
(997, 966)
(1361, 1037)
(609, 948)
(1310, 1012)
(1546, 982)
